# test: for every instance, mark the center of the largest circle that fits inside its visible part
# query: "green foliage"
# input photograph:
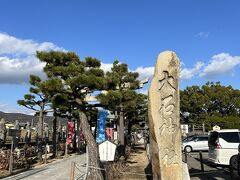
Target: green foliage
(136, 109)
(120, 85)
(227, 122)
(71, 79)
(38, 98)
(119, 78)
(92, 62)
(211, 103)
(62, 64)
(121, 95)
(111, 99)
(192, 101)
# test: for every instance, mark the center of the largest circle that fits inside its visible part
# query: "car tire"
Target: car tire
(234, 162)
(188, 149)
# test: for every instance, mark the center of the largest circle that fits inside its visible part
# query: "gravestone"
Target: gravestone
(17, 136)
(2, 132)
(164, 119)
(28, 134)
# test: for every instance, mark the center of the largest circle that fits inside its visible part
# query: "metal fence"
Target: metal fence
(78, 171)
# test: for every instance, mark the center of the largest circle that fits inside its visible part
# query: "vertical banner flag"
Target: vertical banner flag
(102, 117)
(109, 133)
(70, 135)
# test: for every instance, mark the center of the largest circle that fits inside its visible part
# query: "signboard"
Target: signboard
(216, 128)
(101, 122)
(184, 128)
(13, 132)
(107, 151)
(115, 135)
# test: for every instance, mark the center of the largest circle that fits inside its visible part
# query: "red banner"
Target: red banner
(70, 135)
(109, 133)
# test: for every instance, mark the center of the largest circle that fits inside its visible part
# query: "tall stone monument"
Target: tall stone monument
(164, 119)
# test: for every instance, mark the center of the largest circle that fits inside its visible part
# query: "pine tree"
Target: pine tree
(38, 101)
(78, 78)
(121, 86)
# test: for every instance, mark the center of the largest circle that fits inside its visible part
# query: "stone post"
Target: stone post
(16, 138)
(2, 132)
(164, 118)
(28, 134)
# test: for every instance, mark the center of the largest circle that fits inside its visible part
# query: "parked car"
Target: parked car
(223, 146)
(195, 143)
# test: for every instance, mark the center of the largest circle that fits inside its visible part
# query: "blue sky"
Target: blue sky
(203, 33)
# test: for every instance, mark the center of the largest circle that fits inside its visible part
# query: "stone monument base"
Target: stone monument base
(186, 175)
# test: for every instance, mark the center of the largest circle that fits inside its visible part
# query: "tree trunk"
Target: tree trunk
(74, 137)
(129, 127)
(78, 135)
(54, 137)
(121, 128)
(94, 170)
(95, 130)
(40, 133)
(129, 137)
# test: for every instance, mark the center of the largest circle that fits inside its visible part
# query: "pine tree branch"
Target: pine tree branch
(30, 107)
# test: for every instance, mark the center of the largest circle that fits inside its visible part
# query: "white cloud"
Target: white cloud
(145, 72)
(17, 58)
(17, 70)
(188, 73)
(13, 45)
(106, 67)
(185, 74)
(203, 35)
(220, 64)
(7, 108)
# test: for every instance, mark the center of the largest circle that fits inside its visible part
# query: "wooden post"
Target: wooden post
(45, 159)
(185, 153)
(201, 161)
(66, 145)
(203, 127)
(66, 149)
(11, 159)
(72, 170)
(87, 165)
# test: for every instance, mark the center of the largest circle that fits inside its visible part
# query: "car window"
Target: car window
(231, 137)
(202, 139)
(191, 138)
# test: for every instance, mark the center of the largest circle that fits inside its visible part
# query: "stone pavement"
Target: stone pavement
(59, 170)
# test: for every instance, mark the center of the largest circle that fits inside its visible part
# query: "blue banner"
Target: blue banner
(102, 117)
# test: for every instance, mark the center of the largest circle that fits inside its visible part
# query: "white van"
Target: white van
(223, 145)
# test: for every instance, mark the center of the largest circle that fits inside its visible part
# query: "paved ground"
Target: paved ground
(138, 166)
(57, 170)
(210, 172)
